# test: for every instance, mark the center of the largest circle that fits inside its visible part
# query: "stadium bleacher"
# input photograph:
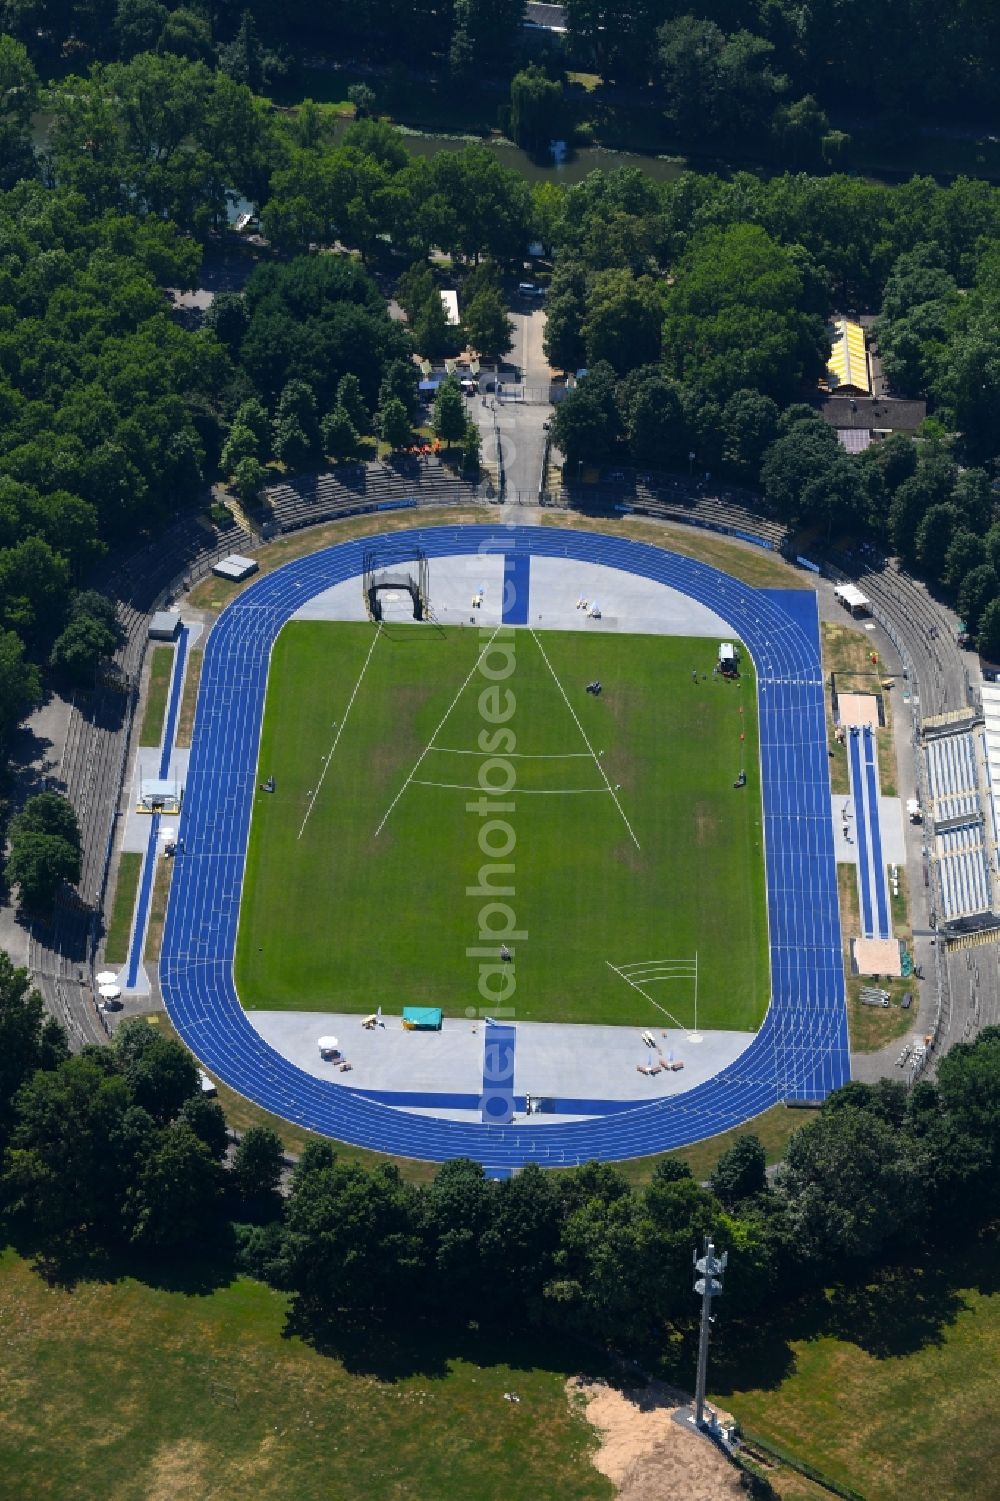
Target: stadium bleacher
(951, 771)
(356, 488)
(961, 855)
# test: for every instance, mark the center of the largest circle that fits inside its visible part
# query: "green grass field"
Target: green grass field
(119, 1391)
(887, 1388)
(339, 916)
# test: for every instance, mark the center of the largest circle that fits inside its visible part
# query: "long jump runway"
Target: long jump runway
(801, 1050)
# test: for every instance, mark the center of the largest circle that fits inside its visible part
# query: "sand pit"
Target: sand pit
(646, 1454)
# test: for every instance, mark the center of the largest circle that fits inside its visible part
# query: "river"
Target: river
(662, 168)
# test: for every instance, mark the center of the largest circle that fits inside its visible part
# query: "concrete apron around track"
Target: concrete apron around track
(146, 833)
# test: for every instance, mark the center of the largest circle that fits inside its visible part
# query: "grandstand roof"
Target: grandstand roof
(847, 367)
(877, 414)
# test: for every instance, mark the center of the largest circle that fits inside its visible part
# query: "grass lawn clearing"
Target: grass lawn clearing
(158, 908)
(877, 1393)
(123, 908)
(189, 698)
(161, 663)
(358, 877)
(847, 654)
(774, 1129)
(870, 1027)
(125, 1392)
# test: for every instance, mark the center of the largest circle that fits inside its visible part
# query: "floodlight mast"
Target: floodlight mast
(708, 1285)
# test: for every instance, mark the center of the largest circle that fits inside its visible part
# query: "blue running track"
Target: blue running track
(149, 859)
(516, 584)
(801, 1050)
(878, 859)
(871, 862)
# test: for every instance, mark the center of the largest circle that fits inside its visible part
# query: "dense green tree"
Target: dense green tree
(247, 480)
(588, 1295)
(734, 318)
(18, 100)
(295, 430)
(186, 34)
(621, 324)
(241, 443)
(73, 1148)
(564, 312)
(339, 435)
(933, 539)
(680, 1214)
(44, 849)
(587, 424)
(20, 685)
(800, 129)
(653, 416)
(362, 96)
(850, 1184)
(253, 416)
(433, 335)
(29, 1039)
(449, 411)
(805, 456)
(395, 424)
(80, 648)
(34, 589)
(975, 590)
(400, 384)
(353, 1246)
(969, 1074)
(714, 84)
(414, 288)
(138, 24)
(988, 635)
(244, 58)
(536, 109)
(313, 320)
(488, 328)
(973, 498)
(457, 1209)
(749, 426)
(172, 1198)
(930, 485)
(740, 1173)
(161, 1074)
(351, 400)
(966, 552)
(257, 1165)
(519, 1243)
(207, 1120)
(228, 318)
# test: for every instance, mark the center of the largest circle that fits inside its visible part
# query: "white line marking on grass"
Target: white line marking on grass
(680, 1027)
(519, 791)
(448, 750)
(586, 742)
(340, 730)
(472, 670)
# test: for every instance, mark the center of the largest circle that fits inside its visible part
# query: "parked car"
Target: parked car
(529, 289)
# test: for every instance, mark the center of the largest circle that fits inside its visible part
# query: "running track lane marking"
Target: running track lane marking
(586, 742)
(472, 670)
(340, 729)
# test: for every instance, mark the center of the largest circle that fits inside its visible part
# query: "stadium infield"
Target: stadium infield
(630, 845)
